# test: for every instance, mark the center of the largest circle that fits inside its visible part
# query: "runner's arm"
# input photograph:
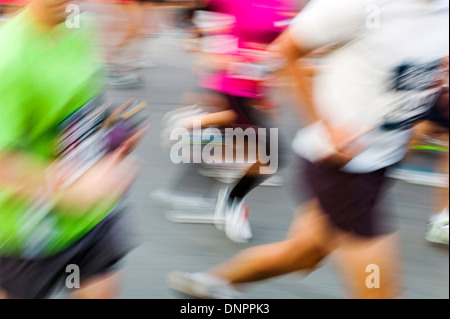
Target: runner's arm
(296, 70)
(21, 175)
(30, 180)
(323, 23)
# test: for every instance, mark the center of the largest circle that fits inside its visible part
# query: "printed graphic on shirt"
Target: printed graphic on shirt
(415, 89)
(81, 142)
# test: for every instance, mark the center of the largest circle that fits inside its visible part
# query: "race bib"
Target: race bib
(250, 71)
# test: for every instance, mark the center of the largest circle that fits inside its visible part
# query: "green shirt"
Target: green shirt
(44, 77)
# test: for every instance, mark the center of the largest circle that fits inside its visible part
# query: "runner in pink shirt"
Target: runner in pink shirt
(241, 75)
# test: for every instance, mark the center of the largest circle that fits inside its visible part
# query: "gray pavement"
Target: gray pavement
(165, 246)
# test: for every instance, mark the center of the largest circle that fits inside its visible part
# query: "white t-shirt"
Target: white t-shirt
(379, 79)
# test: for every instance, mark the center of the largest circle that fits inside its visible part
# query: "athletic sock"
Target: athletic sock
(246, 185)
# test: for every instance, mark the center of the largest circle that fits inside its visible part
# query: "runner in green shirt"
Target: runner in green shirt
(49, 77)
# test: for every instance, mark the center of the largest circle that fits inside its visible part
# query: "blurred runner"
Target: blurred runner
(122, 41)
(384, 77)
(125, 63)
(427, 163)
(149, 21)
(61, 182)
(234, 74)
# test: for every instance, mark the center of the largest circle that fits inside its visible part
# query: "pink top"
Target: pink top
(256, 22)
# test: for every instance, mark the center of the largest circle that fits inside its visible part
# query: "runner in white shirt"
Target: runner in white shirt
(383, 76)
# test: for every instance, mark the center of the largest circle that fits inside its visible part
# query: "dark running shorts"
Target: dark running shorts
(351, 201)
(98, 252)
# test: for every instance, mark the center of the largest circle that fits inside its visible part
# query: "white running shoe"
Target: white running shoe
(237, 226)
(221, 208)
(438, 230)
(200, 285)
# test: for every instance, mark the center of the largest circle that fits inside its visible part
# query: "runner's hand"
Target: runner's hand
(106, 182)
(132, 142)
(344, 140)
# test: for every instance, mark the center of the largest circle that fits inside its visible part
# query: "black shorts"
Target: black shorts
(351, 201)
(96, 253)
